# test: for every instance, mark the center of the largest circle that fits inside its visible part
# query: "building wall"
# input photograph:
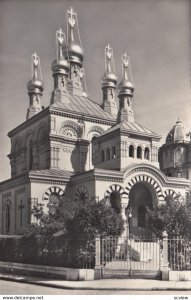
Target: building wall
(29, 147)
(17, 198)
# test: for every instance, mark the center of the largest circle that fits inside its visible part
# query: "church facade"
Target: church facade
(77, 150)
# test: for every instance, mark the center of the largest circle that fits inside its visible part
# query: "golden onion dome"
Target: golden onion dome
(35, 85)
(178, 134)
(109, 79)
(61, 66)
(126, 87)
(74, 52)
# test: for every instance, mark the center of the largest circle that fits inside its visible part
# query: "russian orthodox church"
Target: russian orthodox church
(78, 150)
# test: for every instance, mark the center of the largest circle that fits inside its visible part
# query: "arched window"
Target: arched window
(178, 155)
(92, 151)
(147, 153)
(113, 153)
(7, 218)
(107, 154)
(141, 216)
(102, 156)
(139, 152)
(54, 202)
(82, 198)
(131, 151)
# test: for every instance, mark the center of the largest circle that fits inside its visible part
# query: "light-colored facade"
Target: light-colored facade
(77, 150)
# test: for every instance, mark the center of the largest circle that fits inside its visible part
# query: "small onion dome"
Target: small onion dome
(60, 67)
(126, 88)
(109, 80)
(74, 52)
(178, 134)
(35, 85)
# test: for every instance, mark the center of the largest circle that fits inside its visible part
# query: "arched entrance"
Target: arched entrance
(141, 196)
(115, 201)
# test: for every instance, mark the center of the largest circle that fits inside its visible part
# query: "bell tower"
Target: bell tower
(125, 93)
(109, 83)
(35, 88)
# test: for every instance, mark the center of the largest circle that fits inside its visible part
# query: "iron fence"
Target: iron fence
(130, 253)
(61, 252)
(179, 253)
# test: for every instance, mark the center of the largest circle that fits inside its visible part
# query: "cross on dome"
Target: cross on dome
(108, 51)
(35, 59)
(60, 35)
(71, 14)
(125, 59)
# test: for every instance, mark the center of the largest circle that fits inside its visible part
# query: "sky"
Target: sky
(156, 35)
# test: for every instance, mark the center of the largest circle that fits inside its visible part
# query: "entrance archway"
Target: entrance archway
(115, 200)
(141, 196)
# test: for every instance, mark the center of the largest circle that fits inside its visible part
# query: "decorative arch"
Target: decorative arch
(148, 179)
(29, 135)
(52, 190)
(170, 192)
(17, 144)
(70, 129)
(42, 132)
(119, 189)
(97, 129)
(82, 194)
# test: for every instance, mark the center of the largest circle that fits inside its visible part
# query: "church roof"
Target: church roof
(84, 106)
(179, 133)
(52, 173)
(131, 127)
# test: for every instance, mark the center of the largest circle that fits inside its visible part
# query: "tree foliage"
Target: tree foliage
(67, 237)
(174, 217)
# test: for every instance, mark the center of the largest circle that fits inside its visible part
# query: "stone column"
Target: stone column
(165, 250)
(165, 267)
(97, 257)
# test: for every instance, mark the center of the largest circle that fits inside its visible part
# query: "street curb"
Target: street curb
(91, 288)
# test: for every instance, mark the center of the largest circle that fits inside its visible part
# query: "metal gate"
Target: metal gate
(123, 257)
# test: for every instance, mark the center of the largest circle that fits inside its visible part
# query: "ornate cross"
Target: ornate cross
(108, 52)
(71, 13)
(21, 206)
(60, 35)
(125, 60)
(35, 65)
(35, 59)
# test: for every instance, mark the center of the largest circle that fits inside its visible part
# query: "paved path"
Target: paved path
(17, 288)
(105, 284)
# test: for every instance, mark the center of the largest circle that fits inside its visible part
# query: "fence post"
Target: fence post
(165, 267)
(97, 267)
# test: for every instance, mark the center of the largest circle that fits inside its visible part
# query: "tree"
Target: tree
(174, 217)
(67, 237)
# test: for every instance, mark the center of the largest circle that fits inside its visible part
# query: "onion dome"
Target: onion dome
(74, 52)
(178, 134)
(109, 79)
(35, 85)
(60, 67)
(125, 86)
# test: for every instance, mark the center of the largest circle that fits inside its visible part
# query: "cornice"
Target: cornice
(75, 115)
